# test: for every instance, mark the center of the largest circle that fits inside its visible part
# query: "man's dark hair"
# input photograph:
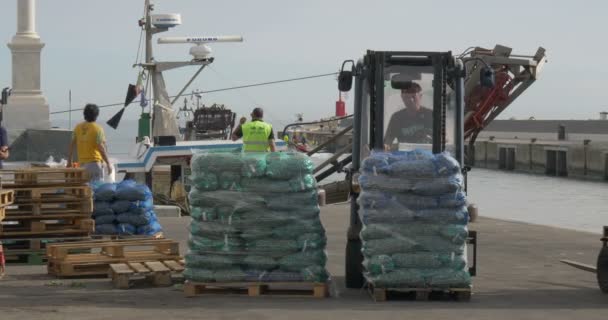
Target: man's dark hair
(257, 113)
(91, 111)
(411, 86)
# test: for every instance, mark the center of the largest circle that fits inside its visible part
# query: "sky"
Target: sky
(91, 46)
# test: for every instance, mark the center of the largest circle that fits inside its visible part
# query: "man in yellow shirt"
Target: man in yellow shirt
(90, 142)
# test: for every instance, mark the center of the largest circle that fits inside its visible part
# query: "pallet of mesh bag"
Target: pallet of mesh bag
(64, 260)
(32, 251)
(157, 273)
(40, 176)
(256, 289)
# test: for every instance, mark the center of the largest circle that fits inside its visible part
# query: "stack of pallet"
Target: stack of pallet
(50, 205)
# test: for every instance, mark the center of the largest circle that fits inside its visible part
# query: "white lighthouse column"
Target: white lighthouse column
(27, 107)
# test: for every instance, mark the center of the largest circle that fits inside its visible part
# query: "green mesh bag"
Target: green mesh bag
(264, 263)
(222, 198)
(444, 278)
(453, 233)
(429, 260)
(211, 261)
(298, 228)
(302, 183)
(274, 247)
(199, 275)
(301, 260)
(257, 233)
(379, 264)
(291, 201)
(216, 162)
(229, 275)
(203, 244)
(264, 186)
(204, 181)
(316, 273)
(286, 165)
(401, 278)
(410, 245)
(203, 214)
(211, 229)
(312, 241)
(230, 181)
(254, 165)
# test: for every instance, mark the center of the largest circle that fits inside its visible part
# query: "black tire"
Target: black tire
(602, 269)
(354, 265)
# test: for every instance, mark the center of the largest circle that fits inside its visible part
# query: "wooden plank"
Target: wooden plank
(138, 267)
(121, 268)
(156, 266)
(174, 265)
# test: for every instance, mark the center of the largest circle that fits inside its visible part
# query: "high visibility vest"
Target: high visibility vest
(255, 136)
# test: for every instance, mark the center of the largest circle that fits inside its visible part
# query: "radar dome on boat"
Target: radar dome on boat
(166, 21)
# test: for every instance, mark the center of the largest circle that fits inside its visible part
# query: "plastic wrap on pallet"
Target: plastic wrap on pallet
(414, 216)
(129, 212)
(261, 223)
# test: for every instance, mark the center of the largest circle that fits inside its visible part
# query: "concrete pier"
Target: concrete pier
(519, 277)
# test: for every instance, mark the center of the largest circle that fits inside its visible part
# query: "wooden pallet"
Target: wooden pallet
(65, 261)
(7, 197)
(36, 243)
(83, 207)
(32, 177)
(158, 273)
(2, 213)
(62, 194)
(20, 228)
(255, 289)
(421, 294)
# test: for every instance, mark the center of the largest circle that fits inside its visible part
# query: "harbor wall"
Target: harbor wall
(578, 159)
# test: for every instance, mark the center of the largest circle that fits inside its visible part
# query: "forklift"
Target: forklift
(378, 79)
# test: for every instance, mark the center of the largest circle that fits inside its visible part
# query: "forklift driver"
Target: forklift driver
(414, 123)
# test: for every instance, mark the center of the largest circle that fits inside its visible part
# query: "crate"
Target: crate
(255, 289)
(22, 228)
(157, 273)
(64, 260)
(33, 177)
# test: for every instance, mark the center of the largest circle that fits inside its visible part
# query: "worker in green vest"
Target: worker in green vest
(257, 135)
